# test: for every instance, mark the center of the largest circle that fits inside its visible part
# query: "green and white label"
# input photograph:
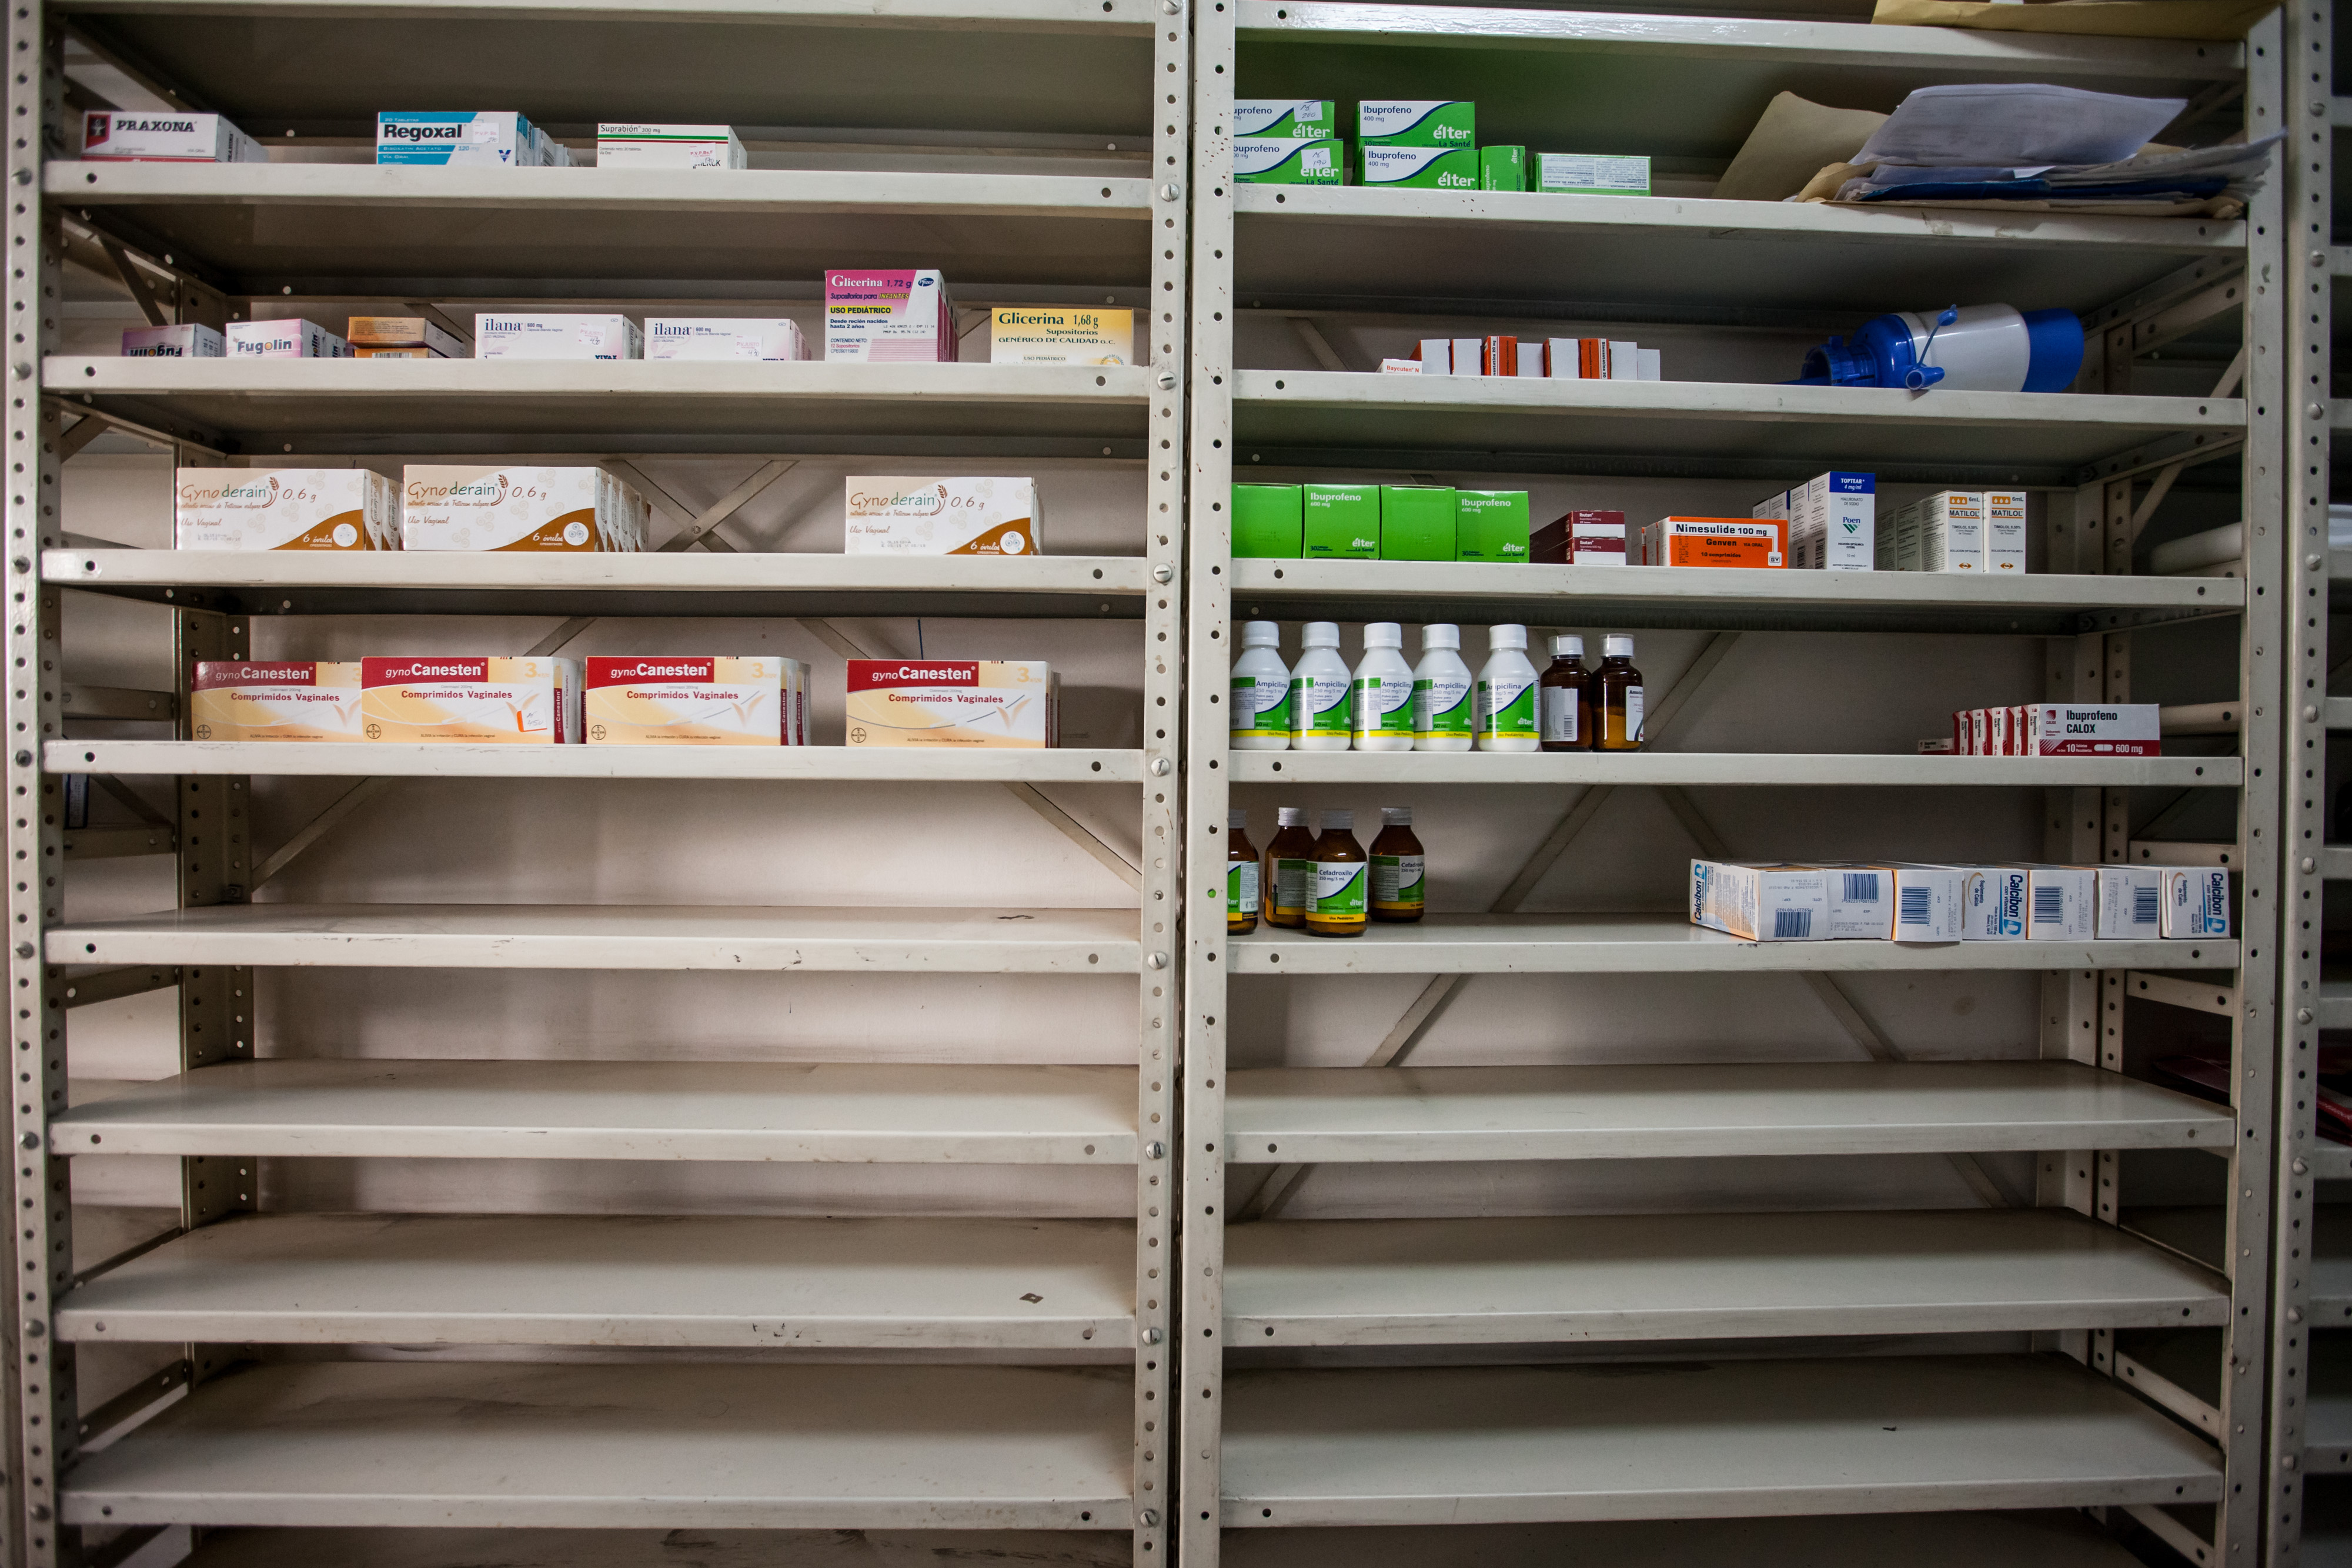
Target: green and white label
(1383, 709)
(1261, 707)
(1293, 881)
(1441, 708)
(1397, 881)
(1338, 891)
(1241, 887)
(1319, 705)
(1506, 709)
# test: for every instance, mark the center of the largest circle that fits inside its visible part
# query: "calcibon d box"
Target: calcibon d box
(456, 507)
(2061, 903)
(686, 702)
(2130, 902)
(628, 145)
(238, 699)
(1026, 335)
(911, 515)
(565, 337)
(1992, 902)
(284, 340)
(1303, 119)
(284, 508)
(947, 702)
(1418, 123)
(886, 317)
(724, 338)
(123, 136)
(481, 702)
(2196, 901)
(1760, 903)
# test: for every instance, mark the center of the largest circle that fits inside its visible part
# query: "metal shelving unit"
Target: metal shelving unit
(341, 1381)
(1526, 1299)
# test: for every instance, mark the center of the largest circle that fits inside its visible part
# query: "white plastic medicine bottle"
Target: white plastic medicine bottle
(1383, 691)
(1506, 693)
(1441, 693)
(1261, 692)
(1319, 692)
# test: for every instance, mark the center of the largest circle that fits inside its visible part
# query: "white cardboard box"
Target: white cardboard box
(2059, 902)
(1992, 904)
(556, 337)
(128, 136)
(284, 340)
(929, 515)
(1760, 903)
(631, 145)
(191, 340)
(1928, 901)
(724, 338)
(2131, 903)
(2196, 903)
(284, 508)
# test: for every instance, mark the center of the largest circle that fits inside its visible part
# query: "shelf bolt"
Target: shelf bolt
(2301, 1168)
(24, 949)
(2302, 1015)
(1157, 961)
(1163, 572)
(23, 760)
(2309, 713)
(2319, 258)
(25, 373)
(1152, 1336)
(2286, 1462)
(1169, 193)
(35, 1328)
(41, 1512)
(23, 176)
(2294, 1314)
(2309, 864)
(1165, 381)
(1150, 1517)
(1170, 7)
(29, 1140)
(2311, 562)
(1155, 1150)
(2317, 411)
(1161, 768)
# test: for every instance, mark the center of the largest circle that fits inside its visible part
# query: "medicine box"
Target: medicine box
(373, 336)
(1951, 531)
(1593, 174)
(284, 508)
(927, 515)
(1503, 168)
(1342, 522)
(2060, 902)
(1928, 902)
(689, 701)
(1293, 160)
(464, 507)
(2112, 729)
(1760, 542)
(1420, 168)
(1417, 522)
(284, 340)
(1760, 903)
(741, 338)
(886, 316)
(481, 139)
(1418, 123)
(951, 702)
(1491, 526)
(190, 341)
(1286, 119)
(1267, 522)
(2130, 903)
(236, 700)
(1992, 902)
(131, 136)
(1582, 538)
(557, 337)
(2196, 901)
(2004, 532)
(628, 145)
(1861, 900)
(1838, 513)
(1027, 335)
(1774, 508)
(530, 701)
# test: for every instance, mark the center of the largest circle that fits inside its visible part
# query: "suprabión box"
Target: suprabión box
(1026, 335)
(239, 699)
(919, 514)
(1290, 161)
(693, 701)
(473, 701)
(948, 701)
(457, 506)
(1717, 541)
(284, 508)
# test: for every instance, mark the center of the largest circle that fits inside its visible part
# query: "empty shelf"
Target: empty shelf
(1699, 1276)
(360, 760)
(613, 936)
(711, 1548)
(840, 1448)
(620, 1111)
(337, 1279)
(1501, 1445)
(1294, 1114)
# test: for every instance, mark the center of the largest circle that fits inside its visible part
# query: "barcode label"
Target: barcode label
(2147, 905)
(2049, 904)
(1915, 905)
(1792, 924)
(1860, 887)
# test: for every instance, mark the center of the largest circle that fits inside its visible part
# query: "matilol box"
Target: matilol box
(284, 508)
(1290, 161)
(1301, 119)
(1951, 529)
(284, 340)
(460, 507)
(909, 514)
(952, 703)
(888, 317)
(238, 699)
(1421, 168)
(702, 701)
(557, 337)
(470, 701)
(724, 338)
(131, 136)
(2004, 532)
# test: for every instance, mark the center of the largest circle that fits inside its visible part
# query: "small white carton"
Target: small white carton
(2093, 729)
(1952, 531)
(724, 338)
(626, 144)
(190, 341)
(556, 337)
(136, 136)
(2060, 902)
(2131, 903)
(912, 515)
(2004, 533)
(1840, 513)
(2196, 903)
(1992, 902)
(284, 508)
(479, 139)
(469, 506)
(1861, 903)
(1928, 902)
(1760, 903)
(284, 340)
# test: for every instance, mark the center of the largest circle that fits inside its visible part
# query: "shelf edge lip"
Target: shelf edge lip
(1731, 769)
(1502, 954)
(717, 763)
(1011, 16)
(432, 572)
(1110, 1336)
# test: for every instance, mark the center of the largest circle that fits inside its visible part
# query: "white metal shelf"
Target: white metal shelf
(620, 1111)
(1298, 1115)
(2327, 1448)
(1715, 599)
(2331, 1266)
(1659, 943)
(687, 583)
(1369, 247)
(707, 1446)
(613, 936)
(1469, 1445)
(1062, 1285)
(2328, 1160)
(1699, 1276)
(379, 759)
(1725, 768)
(2335, 1009)
(326, 225)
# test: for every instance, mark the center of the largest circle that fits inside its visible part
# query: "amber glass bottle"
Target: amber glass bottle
(1290, 870)
(1617, 698)
(1564, 699)
(1336, 898)
(1398, 876)
(1241, 876)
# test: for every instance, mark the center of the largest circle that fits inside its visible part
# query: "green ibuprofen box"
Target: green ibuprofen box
(1343, 521)
(1503, 168)
(1416, 522)
(1490, 525)
(1418, 123)
(1425, 168)
(1286, 119)
(1310, 160)
(1267, 520)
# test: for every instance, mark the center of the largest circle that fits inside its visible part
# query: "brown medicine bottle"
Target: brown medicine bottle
(1290, 870)
(1617, 698)
(1336, 898)
(1241, 876)
(1398, 875)
(1564, 698)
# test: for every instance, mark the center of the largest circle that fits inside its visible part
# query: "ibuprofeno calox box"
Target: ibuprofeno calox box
(284, 508)
(689, 701)
(473, 701)
(240, 699)
(2088, 729)
(950, 702)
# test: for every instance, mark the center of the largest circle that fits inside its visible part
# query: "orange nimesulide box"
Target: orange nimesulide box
(1717, 541)
(244, 699)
